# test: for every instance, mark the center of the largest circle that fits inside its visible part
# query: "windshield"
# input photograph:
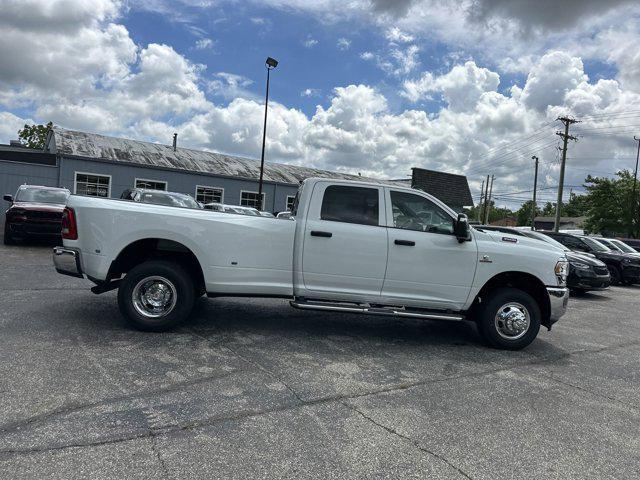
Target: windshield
(544, 238)
(170, 199)
(609, 244)
(595, 245)
(42, 195)
(623, 246)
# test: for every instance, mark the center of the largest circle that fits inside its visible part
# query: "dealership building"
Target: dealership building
(99, 165)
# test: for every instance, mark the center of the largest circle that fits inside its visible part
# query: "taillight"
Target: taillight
(69, 227)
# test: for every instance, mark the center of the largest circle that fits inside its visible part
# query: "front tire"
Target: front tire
(509, 319)
(155, 296)
(616, 276)
(7, 238)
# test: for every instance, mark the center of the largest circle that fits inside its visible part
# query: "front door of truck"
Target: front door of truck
(345, 246)
(426, 263)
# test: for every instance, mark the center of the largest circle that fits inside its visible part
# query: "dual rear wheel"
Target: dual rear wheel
(156, 295)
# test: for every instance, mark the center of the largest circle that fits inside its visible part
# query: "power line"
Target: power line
(505, 157)
(513, 142)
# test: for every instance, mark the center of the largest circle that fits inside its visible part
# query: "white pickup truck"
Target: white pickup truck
(356, 247)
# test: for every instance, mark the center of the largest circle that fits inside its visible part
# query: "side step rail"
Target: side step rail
(375, 310)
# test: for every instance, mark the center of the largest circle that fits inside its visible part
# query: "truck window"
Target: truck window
(350, 205)
(414, 212)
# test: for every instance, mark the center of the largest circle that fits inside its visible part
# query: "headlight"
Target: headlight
(627, 260)
(562, 270)
(580, 266)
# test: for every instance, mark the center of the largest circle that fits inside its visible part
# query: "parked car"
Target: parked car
(585, 271)
(632, 242)
(346, 252)
(160, 197)
(35, 212)
(624, 269)
(237, 209)
(216, 207)
(618, 246)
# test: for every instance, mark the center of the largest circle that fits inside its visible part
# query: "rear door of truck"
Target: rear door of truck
(345, 241)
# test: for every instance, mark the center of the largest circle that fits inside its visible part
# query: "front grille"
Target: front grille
(601, 270)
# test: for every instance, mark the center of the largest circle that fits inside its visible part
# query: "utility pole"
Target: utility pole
(634, 211)
(480, 201)
(488, 209)
(484, 204)
(565, 137)
(535, 186)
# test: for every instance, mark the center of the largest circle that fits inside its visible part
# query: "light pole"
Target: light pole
(270, 63)
(535, 187)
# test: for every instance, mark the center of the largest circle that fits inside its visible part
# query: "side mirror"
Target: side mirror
(461, 228)
(8, 198)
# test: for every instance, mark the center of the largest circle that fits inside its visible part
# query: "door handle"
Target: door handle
(406, 243)
(318, 233)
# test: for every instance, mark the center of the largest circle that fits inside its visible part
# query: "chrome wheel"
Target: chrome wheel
(154, 297)
(512, 321)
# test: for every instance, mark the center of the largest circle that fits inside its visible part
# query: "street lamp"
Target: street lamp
(270, 63)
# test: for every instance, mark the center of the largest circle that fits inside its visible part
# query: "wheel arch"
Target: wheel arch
(522, 281)
(145, 249)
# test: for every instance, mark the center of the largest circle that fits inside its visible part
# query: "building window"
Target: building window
(209, 194)
(150, 184)
(290, 200)
(250, 199)
(92, 184)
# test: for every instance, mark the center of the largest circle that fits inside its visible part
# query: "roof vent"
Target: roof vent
(175, 141)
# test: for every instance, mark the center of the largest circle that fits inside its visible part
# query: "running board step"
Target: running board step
(365, 308)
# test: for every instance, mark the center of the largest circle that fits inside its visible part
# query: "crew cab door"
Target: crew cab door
(345, 247)
(426, 266)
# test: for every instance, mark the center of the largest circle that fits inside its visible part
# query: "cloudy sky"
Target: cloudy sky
(369, 86)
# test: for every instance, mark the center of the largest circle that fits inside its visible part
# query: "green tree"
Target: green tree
(34, 136)
(549, 210)
(577, 206)
(494, 213)
(525, 212)
(610, 205)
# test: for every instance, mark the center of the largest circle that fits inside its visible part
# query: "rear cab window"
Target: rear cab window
(349, 204)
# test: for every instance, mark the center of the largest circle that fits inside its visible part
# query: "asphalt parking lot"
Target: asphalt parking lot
(255, 389)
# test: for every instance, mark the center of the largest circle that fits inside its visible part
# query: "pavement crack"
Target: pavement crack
(76, 407)
(553, 378)
(154, 447)
(12, 452)
(406, 438)
(250, 361)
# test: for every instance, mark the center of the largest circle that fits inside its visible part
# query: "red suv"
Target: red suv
(35, 212)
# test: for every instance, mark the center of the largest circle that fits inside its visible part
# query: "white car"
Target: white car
(237, 209)
(354, 247)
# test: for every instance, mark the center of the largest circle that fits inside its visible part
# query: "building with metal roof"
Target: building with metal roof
(100, 165)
